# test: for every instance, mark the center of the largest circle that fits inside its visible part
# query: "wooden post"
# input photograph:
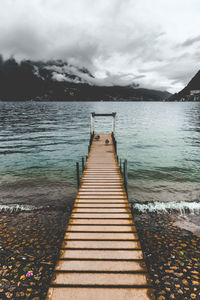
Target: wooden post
(113, 122)
(83, 167)
(120, 165)
(92, 123)
(124, 170)
(126, 176)
(77, 175)
(114, 142)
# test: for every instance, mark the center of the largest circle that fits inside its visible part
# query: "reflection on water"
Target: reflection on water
(40, 143)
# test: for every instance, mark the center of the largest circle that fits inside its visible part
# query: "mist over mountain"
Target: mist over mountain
(191, 92)
(56, 80)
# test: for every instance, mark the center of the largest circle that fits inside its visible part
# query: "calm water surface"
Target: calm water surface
(41, 142)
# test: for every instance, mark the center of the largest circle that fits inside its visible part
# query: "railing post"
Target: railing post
(83, 164)
(124, 168)
(120, 165)
(92, 123)
(91, 139)
(113, 122)
(77, 175)
(114, 142)
(125, 176)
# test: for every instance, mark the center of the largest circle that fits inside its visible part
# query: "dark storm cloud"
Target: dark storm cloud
(116, 40)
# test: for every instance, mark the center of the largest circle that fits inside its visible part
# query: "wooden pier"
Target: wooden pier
(101, 256)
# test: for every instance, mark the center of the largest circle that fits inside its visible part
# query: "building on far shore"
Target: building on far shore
(194, 95)
(194, 92)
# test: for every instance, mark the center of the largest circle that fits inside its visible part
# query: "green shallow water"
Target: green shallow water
(41, 142)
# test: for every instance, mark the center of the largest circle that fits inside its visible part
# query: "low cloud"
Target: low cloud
(120, 42)
(74, 74)
(191, 41)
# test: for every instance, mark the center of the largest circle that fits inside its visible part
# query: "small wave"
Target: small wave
(18, 207)
(182, 207)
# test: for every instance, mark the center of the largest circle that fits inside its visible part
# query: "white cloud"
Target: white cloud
(119, 41)
(67, 73)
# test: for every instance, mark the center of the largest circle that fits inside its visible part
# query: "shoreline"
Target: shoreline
(188, 101)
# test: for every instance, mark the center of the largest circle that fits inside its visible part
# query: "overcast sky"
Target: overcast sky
(155, 43)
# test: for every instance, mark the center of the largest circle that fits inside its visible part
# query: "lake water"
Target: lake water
(41, 142)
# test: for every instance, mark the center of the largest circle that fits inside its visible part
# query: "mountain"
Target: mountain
(59, 81)
(190, 93)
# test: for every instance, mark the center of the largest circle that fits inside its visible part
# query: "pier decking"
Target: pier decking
(101, 256)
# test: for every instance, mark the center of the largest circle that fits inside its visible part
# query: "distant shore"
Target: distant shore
(120, 100)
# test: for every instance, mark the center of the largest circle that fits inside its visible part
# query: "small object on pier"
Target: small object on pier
(107, 142)
(97, 137)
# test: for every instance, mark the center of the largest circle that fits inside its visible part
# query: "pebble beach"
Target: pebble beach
(172, 255)
(30, 242)
(29, 245)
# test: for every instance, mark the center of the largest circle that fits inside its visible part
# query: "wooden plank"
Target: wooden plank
(100, 201)
(101, 228)
(100, 205)
(101, 197)
(102, 254)
(101, 216)
(102, 279)
(100, 293)
(101, 190)
(99, 265)
(101, 210)
(101, 236)
(101, 244)
(100, 185)
(119, 222)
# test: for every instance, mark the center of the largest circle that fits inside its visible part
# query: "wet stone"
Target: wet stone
(172, 252)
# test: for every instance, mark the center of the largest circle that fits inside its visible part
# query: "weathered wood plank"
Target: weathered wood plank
(102, 254)
(102, 279)
(119, 222)
(99, 205)
(102, 228)
(101, 216)
(99, 265)
(101, 236)
(101, 244)
(100, 293)
(101, 210)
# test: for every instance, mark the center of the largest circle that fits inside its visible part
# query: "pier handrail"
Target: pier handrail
(93, 115)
